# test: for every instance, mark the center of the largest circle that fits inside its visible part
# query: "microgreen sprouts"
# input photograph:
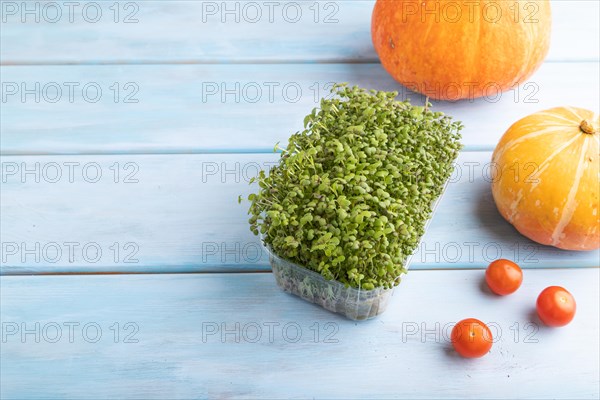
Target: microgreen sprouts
(353, 191)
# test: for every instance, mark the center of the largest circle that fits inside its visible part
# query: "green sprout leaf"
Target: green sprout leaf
(352, 192)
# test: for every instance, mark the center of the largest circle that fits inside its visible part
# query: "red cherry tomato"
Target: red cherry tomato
(471, 338)
(556, 306)
(503, 277)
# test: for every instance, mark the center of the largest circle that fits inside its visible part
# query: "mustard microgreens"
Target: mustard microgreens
(353, 191)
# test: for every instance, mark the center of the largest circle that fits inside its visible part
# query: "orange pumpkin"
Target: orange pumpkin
(452, 50)
(546, 179)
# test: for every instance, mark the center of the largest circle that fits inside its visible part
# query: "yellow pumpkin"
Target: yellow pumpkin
(546, 177)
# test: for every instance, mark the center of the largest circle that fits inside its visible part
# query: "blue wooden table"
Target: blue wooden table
(129, 128)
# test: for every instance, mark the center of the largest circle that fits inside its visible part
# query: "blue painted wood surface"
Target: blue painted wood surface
(203, 32)
(234, 108)
(180, 349)
(179, 213)
(174, 151)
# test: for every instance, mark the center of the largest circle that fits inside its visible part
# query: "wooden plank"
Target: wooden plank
(231, 108)
(176, 346)
(253, 31)
(180, 214)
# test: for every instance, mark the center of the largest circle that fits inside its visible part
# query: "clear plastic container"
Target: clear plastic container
(353, 303)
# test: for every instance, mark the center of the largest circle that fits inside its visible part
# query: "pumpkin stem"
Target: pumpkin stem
(586, 127)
